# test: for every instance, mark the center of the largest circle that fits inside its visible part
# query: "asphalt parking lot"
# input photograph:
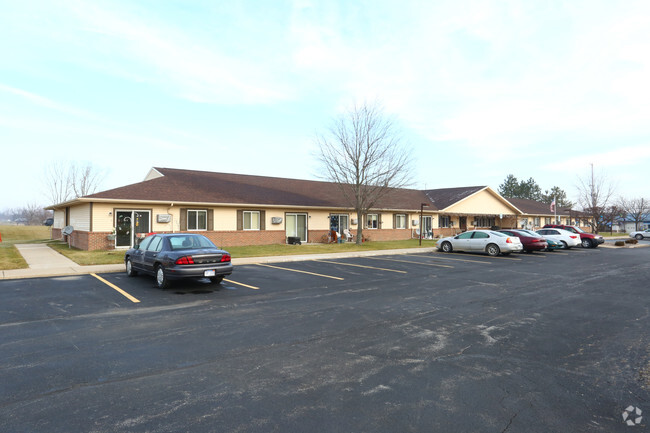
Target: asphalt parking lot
(427, 342)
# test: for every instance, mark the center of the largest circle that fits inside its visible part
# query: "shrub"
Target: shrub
(619, 243)
(631, 241)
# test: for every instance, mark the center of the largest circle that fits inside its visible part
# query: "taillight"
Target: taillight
(574, 237)
(509, 241)
(187, 260)
(225, 258)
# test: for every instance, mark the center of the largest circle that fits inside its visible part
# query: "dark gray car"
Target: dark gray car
(173, 256)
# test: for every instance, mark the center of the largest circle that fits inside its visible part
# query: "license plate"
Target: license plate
(209, 273)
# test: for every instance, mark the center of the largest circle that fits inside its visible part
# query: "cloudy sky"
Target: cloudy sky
(480, 89)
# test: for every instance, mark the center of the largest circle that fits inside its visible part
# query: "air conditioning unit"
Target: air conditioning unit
(354, 221)
(163, 218)
(415, 222)
(276, 220)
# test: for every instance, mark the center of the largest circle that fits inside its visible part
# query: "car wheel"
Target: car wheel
(161, 279)
(446, 247)
(586, 243)
(217, 280)
(129, 269)
(565, 245)
(639, 237)
(493, 250)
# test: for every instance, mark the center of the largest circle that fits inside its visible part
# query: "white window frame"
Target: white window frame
(372, 217)
(250, 213)
(398, 217)
(444, 221)
(196, 220)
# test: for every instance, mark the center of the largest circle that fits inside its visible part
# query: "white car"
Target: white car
(485, 241)
(640, 234)
(568, 239)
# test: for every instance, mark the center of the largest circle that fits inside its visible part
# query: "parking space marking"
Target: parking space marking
(113, 286)
(241, 284)
(411, 261)
(361, 266)
(302, 272)
(459, 260)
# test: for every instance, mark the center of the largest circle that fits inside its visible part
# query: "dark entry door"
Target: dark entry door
(462, 223)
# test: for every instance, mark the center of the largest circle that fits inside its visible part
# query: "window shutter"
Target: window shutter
(262, 220)
(379, 221)
(240, 220)
(406, 222)
(394, 220)
(210, 219)
(183, 221)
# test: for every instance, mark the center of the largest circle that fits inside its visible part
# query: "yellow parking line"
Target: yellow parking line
(361, 266)
(410, 261)
(241, 284)
(302, 272)
(113, 286)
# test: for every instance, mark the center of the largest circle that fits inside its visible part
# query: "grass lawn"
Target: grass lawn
(84, 258)
(287, 250)
(10, 258)
(117, 256)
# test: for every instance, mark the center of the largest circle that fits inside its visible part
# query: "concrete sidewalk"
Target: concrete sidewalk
(43, 261)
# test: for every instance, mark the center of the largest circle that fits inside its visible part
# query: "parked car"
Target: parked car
(174, 256)
(488, 241)
(587, 240)
(568, 239)
(552, 244)
(530, 240)
(640, 234)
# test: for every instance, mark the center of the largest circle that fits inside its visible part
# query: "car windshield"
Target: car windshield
(579, 230)
(502, 235)
(184, 242)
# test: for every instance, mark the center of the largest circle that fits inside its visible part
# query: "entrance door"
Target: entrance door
(462, 223)
(128, 224)
(427, 227)
(296, 226)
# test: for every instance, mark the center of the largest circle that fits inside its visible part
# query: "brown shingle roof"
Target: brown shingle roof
(445, 197)
(191, 186)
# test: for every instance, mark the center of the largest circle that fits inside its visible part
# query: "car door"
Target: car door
(137, 258)
(479, 241)
(151, 253)
(462, 241)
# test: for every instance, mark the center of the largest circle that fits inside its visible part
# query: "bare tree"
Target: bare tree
(594, 195)
(33, 214)
(364, 155)
(57, 182)
(636, 208)
(84, 179)
(68, 180)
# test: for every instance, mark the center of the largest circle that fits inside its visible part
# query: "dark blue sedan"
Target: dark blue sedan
(173, 256)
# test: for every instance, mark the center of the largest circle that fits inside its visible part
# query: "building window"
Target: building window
(197, 220)
(339, 222)
(485, 221)
(372, 221)
(400, 221)
(251, 220)
(547, 220)
(537, 221)
(444, 222)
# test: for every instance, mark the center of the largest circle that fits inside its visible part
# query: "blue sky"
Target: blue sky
(481, 89)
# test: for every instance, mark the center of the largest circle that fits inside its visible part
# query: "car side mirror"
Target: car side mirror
(136, 246)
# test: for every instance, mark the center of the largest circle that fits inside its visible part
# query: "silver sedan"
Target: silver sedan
(640, 234)
(486, 241)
